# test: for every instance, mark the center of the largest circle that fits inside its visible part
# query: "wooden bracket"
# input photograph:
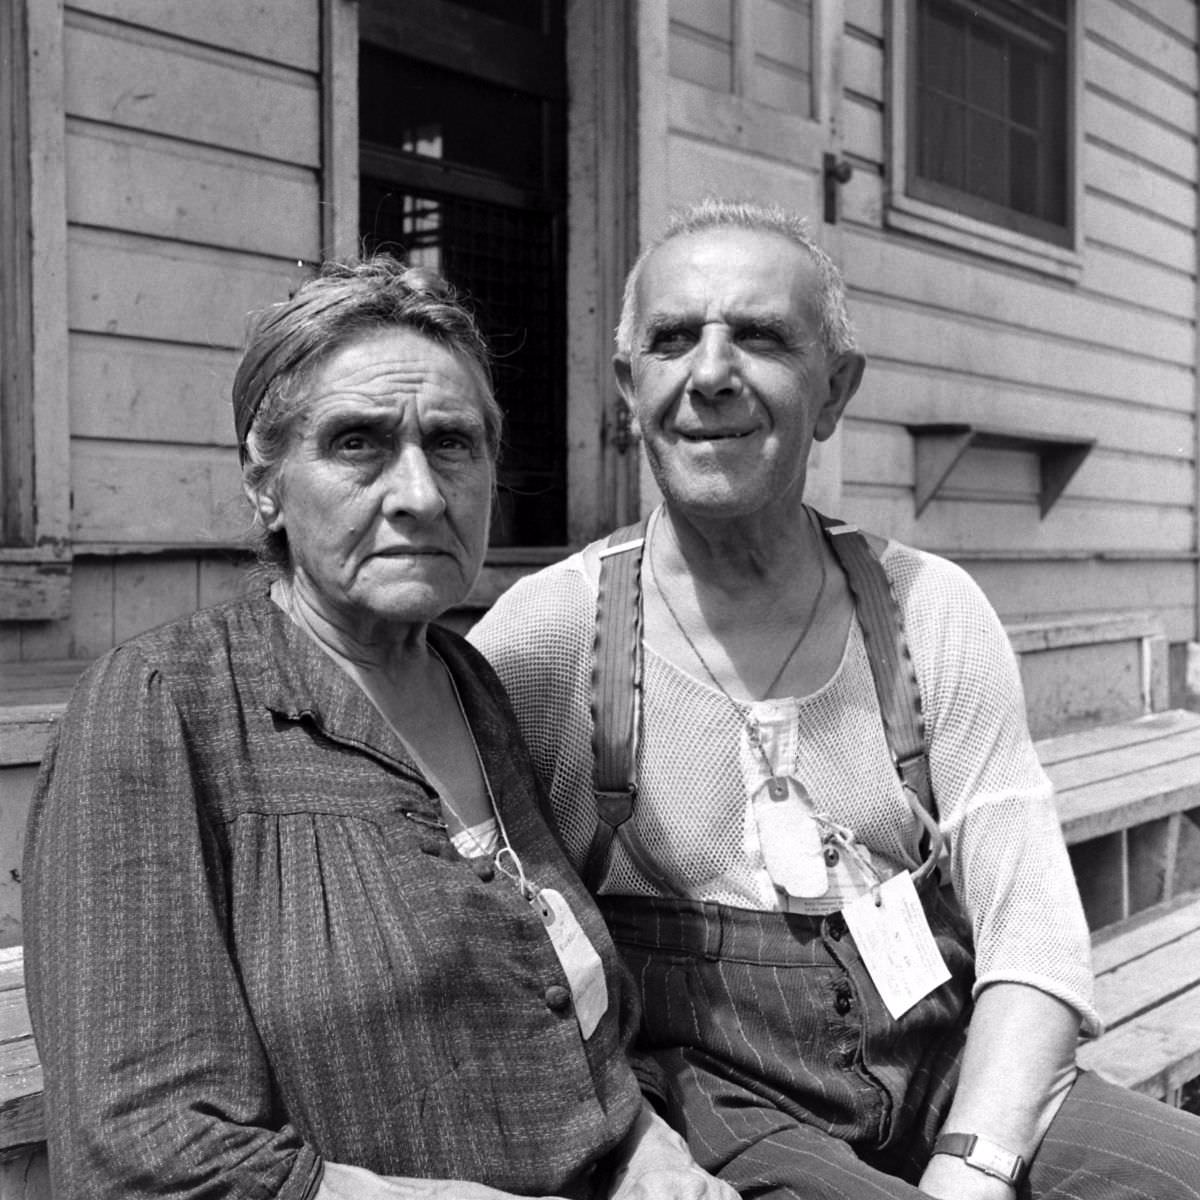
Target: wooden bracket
(939, 446)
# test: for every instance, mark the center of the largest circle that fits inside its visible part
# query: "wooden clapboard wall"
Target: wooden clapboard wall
(193, 151)
(731, 102)
(953, 337)
(193, 154)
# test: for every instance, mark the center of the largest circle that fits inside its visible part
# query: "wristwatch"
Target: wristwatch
(983, 1155)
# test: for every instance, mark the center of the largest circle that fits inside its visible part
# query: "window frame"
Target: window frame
(461, 43)
(35, 550)
(926, 217)
(604, 207)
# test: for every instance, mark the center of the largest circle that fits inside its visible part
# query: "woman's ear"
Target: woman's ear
(266, 508)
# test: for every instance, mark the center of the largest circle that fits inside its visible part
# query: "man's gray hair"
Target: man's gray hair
(715, 213)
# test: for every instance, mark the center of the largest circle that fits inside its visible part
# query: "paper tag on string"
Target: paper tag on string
(790, 838)
(896, 944)
(577, 957)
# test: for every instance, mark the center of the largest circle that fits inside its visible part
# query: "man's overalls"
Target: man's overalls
(766, 1025)
(778, 1060)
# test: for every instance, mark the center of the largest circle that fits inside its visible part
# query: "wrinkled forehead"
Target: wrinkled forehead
(388, 369)
(729, 272)
(397, 360)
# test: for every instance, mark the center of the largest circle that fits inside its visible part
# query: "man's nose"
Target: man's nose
(412, 487)
(714, 373)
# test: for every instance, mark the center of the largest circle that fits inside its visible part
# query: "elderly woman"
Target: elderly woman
(295, 924)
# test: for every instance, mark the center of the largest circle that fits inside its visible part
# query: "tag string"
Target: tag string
(514, 872)
(687, 637)
(753, 731)
(849, 844)
(507, 861)
(831, 831)
(936, 837)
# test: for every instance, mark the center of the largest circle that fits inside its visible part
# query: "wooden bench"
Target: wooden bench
(1129, 800)
(1084, 672)
(23, 1169)
(1126, 773)
(1128, 796)
(1124, 795)
(1148, 992)
(1152, 1043)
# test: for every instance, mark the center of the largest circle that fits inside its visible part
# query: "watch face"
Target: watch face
(995, 1160)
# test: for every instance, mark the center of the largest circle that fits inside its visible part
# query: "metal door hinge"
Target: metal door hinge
(835, 172)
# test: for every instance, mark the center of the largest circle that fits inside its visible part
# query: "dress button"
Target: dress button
(483, 869)
(836, 926)
(831, 856)
(558, 999)
(842, 1001)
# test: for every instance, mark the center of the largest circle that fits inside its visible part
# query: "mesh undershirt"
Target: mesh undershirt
(1008, 862)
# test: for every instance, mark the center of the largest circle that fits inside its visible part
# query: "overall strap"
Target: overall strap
(616, 687)
(616, 709)
(894, 676)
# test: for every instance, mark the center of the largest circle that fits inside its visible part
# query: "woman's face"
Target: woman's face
(385, 492)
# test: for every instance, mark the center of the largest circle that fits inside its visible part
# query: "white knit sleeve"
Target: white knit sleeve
(1009, 863)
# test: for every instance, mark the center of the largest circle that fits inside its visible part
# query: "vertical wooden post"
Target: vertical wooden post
(653, 165)
(35, 456)
(604, 140)
(17, 505)
(1196, 433)
(742, 38)
(339, 128)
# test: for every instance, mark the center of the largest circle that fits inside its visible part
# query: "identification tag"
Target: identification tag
(896, 943)
(577, 957)
(790, 838)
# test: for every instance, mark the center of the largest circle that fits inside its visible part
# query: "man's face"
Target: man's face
(728, 379)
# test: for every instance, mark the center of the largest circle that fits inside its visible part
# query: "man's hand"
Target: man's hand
(687, 1183)
(341, 1182)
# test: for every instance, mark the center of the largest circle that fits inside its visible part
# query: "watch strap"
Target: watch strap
(982, 1155)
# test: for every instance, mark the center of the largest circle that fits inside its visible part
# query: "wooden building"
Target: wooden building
(1009, 185)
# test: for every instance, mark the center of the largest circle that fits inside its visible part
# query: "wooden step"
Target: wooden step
(1156, 1052)
(33, 696)
(1148, 994)
(1127, 774)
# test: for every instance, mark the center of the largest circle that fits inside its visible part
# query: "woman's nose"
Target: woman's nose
(714, 372)
(412, 487)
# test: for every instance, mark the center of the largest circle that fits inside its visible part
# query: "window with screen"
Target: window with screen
(462, 127)
(989, 111)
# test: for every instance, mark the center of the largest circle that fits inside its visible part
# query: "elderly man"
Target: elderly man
(758, 728)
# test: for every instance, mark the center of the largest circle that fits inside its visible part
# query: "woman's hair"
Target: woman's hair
(837, 335)
(286, 343)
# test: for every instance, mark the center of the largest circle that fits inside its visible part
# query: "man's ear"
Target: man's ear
(623, 370)
(266, 507)
(844, 377)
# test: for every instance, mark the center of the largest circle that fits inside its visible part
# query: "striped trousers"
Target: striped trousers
(790, 1079)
